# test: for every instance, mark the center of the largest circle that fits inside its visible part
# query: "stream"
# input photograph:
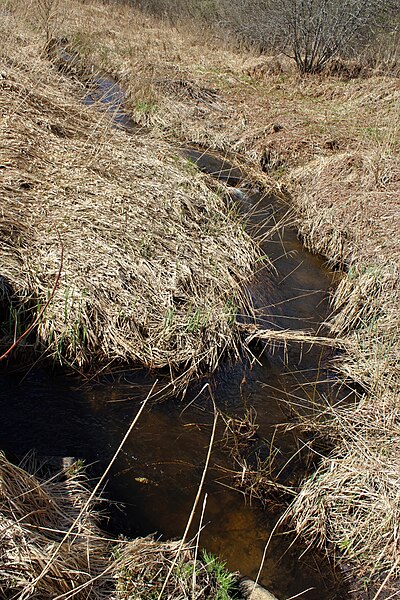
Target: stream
(154, 480)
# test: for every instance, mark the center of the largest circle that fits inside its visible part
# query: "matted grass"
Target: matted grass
(351, 505)
(349, 210)
(334, 143)
(145, 564)
(52, 547)
(153, 262)
(36, 560)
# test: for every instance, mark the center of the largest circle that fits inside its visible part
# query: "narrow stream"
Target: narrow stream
(154, 480)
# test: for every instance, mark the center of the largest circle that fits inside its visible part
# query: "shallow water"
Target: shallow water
(154, 480)
(106, 94)
(158, 471)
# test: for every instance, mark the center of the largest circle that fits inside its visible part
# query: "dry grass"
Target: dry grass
(352, 503)
(334, 144)
(188, 85)
(145, 564)
(342, 197)
(153, 263)
(34, 515)
(287, 336)
(40, 561)
(248, 476)
(349, 211)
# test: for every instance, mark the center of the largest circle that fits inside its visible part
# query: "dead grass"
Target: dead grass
(153, 263)
(333, 142)
(34, 515)
(145, 564)
(348, 205)
(351, 504)
(348, 210)
(169, 72)
(40, 561)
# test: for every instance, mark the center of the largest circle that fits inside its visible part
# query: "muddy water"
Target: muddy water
(155, 479)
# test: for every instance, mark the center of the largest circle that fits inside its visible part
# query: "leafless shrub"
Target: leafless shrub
(311, 32)
(49, 16)
(384, 55)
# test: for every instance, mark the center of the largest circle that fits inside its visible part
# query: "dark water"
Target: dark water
(156, 475)
(106, 94)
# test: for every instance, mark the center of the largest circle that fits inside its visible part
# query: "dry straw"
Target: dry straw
(146, 564)
(153, 264)
(352, 503)
(337, 144)
(53, 522)
(33, 517)
(348, 210)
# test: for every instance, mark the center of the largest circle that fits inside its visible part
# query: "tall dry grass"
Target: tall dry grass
(335, 145)
(154, 264)
(348, 206)
(336, 141)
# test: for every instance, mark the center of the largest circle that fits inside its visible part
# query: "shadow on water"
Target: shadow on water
(104, 93)
(154, 480)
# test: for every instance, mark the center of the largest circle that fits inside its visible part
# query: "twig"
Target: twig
(197, 546)
(276, 526)
(195, 503)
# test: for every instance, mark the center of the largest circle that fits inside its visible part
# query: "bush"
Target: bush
(312, 32)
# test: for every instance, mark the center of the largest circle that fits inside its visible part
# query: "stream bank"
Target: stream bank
(157, 473)
(335, 226)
